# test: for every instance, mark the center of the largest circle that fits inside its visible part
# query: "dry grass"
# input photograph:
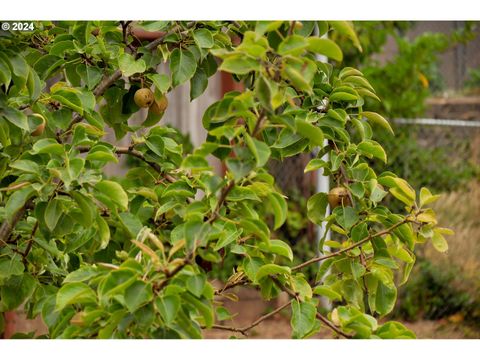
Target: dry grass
(460, 211)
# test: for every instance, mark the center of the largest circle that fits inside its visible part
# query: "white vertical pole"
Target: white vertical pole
(322, 185)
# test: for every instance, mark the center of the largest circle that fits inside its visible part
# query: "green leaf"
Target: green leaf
(74, 293)
(129, 66)
(346, 28)
(371, 148)
(101, 153)
(87, 208)
(264, 92)
(182, 65)
(253, 45)
(292, 45)
(206, 310)
(103, 232)
(196, 284)
(403, 191)
(195, 162)
(83, 273)
(131, 222)
(10, 266)
(325, 47)
(168, 307)
(239, 168)
(272, 269)
(303, 318)
(20, 69)
(59, 48)
(137, 295)
(301, 287)
(227, 237)
(17, 200)
(16, 117)
(300, 72)
(90, 74)
(394, 330)
(27, 166)
(5, 73)
(203, 38)
(15, 291)
(161, 81)
(317, 208)
(198, 84)
(281, 248)
(34, 85)
(342, 96)
(426, 197)
(259, 149)
(347, 216)
(239, 64)
(256, 227)
(112, 191)
(309, 131)
(69, 98)
(385, 298)
(378, 119)
(279, 208)
(53, 212)
(315, 164)
(48, 146)
(439, 242)
(327, 291)
(261, 27)
(115, 283)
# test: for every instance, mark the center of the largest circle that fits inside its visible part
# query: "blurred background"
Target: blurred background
(427, 74)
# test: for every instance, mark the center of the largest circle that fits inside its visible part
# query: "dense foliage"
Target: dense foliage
(404, 82)
(104, 258)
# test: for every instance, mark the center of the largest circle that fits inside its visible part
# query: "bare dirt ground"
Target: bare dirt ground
(250, 307)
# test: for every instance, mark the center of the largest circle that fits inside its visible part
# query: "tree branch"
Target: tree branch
(221, 200)
(332, 326)
(353, 246)
(169, 275)
(219, 292)
(284, 288)
(266, 316)
(257, 128)
(243, 330)
(8, 226)
(30, 242)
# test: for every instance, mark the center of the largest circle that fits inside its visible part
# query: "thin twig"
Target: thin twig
(353, 246)
(228, 328)
(243, 330)
(284, 288)
(230, 286)
(266, 316)
(332, 326)
(8, 226)
(221, 200)
(170, 274)
(257, 128)
(292, 27)
(30, 242)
